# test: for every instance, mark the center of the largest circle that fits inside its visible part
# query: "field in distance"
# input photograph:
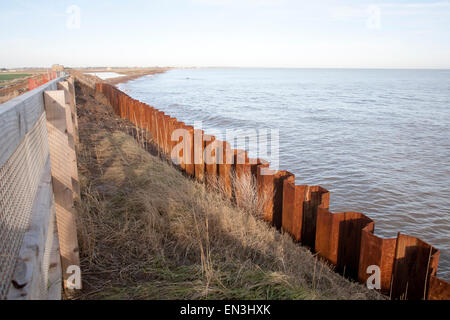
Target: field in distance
(12, 76)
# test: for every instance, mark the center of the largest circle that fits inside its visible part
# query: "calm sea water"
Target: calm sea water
(378, 140)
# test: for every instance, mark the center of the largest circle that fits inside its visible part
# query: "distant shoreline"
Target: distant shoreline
(135, 75)
(127, 74)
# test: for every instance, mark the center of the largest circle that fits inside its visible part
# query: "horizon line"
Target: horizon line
(233, 67)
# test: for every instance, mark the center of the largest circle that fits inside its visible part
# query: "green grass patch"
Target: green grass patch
(169, 281)
(13, 76)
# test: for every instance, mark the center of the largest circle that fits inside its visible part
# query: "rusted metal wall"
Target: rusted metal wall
(379, 252)
(407, 264)
(438, 289)
(415, 261)
(338, 239)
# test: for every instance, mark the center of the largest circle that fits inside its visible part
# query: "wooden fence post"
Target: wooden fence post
(73, 107)
(55, 108)
(71, 133)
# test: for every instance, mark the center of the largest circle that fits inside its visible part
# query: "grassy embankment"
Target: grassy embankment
(148, 232)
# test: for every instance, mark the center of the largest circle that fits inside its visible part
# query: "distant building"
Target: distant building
(57, 67)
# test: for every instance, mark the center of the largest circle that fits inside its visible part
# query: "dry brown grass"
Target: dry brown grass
(245, 194)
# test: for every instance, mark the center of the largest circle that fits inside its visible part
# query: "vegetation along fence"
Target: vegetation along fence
(407, 265)
(38, 185)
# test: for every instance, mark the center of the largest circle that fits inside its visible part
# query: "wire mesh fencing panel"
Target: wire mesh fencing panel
(19, 179)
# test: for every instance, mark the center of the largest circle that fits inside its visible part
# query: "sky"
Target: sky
(226, 33)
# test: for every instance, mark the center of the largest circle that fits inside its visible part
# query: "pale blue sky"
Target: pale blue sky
(248, 33)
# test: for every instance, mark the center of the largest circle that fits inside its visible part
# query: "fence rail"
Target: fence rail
(408, 265)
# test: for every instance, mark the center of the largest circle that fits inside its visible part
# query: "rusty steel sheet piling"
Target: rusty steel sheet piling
(292, 213)
(128, 108)
(407, 264)
(438, 289)
(148, 123)
(279, 177)
(160, 130)
(241, 171)
(170, 129)
(218, 146)
(300, 205)
(134, 113)
(166, 136)
(154, 126)
(327, 235)
(120, 106)
(126, 105)
(210, 158)
(270, 191)
(255, 163)
(376, 251)
(338, 239)
(174, 140)
(415, 261)
(178, 139)
(315, 197)
(131, 111)
(240, 163)
(163, 132)
(225, 161)
(188, 150)
(264, 186)
(141, 114)
(199, 163)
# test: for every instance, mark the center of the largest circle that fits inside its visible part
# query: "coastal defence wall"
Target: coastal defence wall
(407, 265)
(38, 185)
